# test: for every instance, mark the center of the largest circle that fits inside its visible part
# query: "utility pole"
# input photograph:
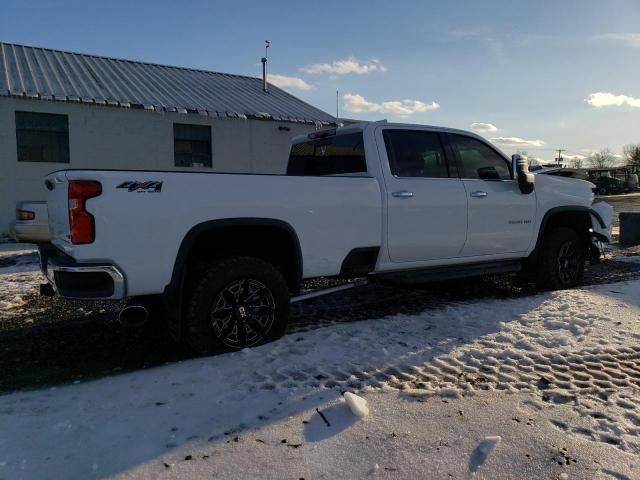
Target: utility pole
(337, 104)
(560, 150)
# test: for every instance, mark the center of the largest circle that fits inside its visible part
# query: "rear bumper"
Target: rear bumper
(84, 281)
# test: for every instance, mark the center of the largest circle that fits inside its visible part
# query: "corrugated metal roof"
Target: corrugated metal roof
(47, 74)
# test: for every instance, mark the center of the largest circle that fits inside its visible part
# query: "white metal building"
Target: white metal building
(63, 110)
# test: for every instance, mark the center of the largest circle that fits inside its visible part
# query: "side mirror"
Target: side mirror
(522, 174)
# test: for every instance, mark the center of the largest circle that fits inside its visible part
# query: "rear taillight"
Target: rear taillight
(81, 222)
(25, 215)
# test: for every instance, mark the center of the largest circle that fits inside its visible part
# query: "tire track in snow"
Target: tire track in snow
(574, 349)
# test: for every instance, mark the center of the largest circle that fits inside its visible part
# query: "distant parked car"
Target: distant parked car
(32, 222)
(607, 185)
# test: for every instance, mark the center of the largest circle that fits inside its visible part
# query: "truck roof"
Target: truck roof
(362, 126)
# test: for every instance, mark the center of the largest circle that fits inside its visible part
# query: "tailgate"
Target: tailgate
(58, 208)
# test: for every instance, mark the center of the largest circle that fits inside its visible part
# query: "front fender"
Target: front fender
(601, 220)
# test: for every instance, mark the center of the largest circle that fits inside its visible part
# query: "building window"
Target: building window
(42, 137)
(192, 145)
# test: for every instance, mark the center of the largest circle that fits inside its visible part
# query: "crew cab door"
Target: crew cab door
(426, 201)
(500, 218)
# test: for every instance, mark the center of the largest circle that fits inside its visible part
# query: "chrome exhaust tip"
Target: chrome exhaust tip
(133, 315)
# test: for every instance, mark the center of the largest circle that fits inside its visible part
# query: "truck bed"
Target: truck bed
(140, 229)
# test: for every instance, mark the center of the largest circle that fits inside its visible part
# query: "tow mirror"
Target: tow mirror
(522, 174)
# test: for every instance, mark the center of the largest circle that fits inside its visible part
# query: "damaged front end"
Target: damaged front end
(601, 215)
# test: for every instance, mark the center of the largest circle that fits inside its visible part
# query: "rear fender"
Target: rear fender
(174, 292)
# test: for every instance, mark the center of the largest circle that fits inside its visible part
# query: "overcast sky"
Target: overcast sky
(533, 76)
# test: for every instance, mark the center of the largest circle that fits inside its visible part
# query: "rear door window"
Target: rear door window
(337, 155)
(415, 153)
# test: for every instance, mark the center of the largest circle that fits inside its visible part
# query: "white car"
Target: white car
(226, 253)
(31, 224)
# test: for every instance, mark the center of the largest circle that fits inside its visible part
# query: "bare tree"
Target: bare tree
(577, 162)
(631, 153)
(602, 159)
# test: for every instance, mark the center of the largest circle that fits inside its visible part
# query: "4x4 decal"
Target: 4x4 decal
(148, 186)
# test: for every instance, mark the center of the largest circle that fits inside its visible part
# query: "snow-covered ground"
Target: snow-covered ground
(19, 276)
(546, 386)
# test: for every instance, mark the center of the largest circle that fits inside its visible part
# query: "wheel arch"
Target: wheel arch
(228, 237)
(576, 217)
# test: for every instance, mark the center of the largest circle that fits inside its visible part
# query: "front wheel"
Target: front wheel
(236, 303)
(560, 260)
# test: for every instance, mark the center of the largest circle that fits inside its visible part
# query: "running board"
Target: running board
(327, 291)
(435, 274)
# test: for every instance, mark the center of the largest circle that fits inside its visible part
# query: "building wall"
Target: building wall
(118, 138)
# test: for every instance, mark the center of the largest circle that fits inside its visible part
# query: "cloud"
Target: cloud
(602, 99)
(517, 142)
(346, 67)
(483, 127)
(284, 81)
(358, 104)
(629, 39)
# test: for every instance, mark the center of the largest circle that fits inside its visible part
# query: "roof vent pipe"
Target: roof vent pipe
(264, 73)
(267, 44)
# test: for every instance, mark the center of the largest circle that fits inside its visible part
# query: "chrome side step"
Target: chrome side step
(327, 291)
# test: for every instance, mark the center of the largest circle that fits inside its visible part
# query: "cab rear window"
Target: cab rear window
(337, 155)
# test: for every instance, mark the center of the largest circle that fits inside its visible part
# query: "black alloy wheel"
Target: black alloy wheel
(560, 259)
(243, 313)
(568, 263)
(235, 303)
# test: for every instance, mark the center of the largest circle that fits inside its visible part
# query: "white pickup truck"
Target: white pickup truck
(226, 253)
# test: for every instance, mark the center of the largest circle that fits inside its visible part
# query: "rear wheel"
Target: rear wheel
(236, 303)
(560, 260)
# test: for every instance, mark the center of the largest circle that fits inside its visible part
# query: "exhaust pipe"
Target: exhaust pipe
(134, 315)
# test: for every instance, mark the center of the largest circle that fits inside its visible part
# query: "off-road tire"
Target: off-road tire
(549, 271)
(207, 284)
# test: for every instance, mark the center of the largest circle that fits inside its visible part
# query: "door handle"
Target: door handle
(478, 194)
(403, 194)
